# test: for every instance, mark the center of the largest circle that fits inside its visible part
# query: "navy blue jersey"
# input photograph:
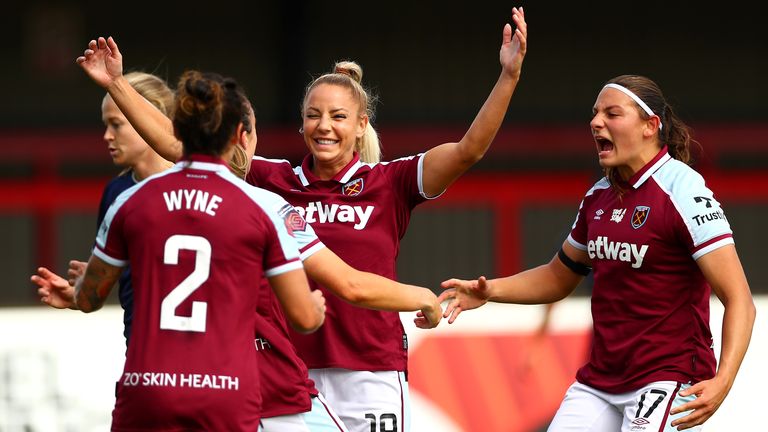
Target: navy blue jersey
(115, 187)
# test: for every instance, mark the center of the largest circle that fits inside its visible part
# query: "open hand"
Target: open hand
(102, 61)
(54, 290)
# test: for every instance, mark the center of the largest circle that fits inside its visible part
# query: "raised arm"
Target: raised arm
(371, 290)
(723, 271)
(103, 63)
(543, 284)
(92, 289)
(445, 163)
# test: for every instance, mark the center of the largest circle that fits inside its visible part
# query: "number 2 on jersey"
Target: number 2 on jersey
(196, 321)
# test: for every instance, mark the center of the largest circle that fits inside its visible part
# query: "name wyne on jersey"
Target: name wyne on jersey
(603, 248)
(192, 199)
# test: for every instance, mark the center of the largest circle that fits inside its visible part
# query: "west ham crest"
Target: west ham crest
(353, 188)
(639, 216)
(293, 220)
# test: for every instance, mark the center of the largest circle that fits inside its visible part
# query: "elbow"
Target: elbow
(751, 311)
(308, 323)
(356, 294)
(352, 290)
(86, 307)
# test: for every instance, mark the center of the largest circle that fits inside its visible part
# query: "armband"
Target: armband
(576, 267)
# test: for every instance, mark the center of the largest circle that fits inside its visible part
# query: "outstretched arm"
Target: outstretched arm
(723, 271)
(544, 284)
(445, 163)
(103, 63)
(371, 290)
(92, 289)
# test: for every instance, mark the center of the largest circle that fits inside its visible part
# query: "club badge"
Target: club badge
(639, 216)
(353, 188)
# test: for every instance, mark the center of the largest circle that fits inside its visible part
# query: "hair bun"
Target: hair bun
(349, 68)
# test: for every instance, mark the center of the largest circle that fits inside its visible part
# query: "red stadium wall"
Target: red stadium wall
(45, 190)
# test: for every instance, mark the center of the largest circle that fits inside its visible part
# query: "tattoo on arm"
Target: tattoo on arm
(94, 286)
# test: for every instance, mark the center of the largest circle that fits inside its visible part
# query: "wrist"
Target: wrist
(428, 301)
(117, 85)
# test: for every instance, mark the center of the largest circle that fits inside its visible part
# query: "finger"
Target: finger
(686, 422)
(102, 43)
(449, 294)
(113, 46)
(421, 323)
(450, 307)
(454, 314)
(45, 273)
(690, 390)
(40, 282)
(450, 283)
(506, 34)
(93, 45)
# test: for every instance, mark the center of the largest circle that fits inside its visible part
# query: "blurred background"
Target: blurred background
(432, 64)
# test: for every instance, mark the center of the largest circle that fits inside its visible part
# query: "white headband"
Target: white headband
(634, 97)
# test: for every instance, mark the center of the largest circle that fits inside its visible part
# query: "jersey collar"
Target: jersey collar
(307, 177)
(650, 168)
(203, 163)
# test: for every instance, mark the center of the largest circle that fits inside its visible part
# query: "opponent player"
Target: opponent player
(657, 240)
(193, 275)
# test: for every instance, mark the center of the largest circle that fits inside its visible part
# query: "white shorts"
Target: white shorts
(586, 409)
(367, 401)
(320, 418)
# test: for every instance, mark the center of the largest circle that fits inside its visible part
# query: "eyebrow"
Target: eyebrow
(609, 107)
(332, 110)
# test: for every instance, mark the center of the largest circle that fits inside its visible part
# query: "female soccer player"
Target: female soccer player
(191, 363)
(657, 240)
(360, 208)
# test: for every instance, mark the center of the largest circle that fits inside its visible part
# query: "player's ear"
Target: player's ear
(361, 125)
(240, 137)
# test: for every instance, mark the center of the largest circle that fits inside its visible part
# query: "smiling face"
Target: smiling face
(126, 147)
(624, 139)
(332, 125)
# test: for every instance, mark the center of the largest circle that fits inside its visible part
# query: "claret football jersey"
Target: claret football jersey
(196, 238)
(650, 301)
(361, 214)
(285, 382)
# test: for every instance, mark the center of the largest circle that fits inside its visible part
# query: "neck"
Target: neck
(149, 167)
(636, 164)
(326, 170)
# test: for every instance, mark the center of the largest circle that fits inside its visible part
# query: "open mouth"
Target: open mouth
(604, 145)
